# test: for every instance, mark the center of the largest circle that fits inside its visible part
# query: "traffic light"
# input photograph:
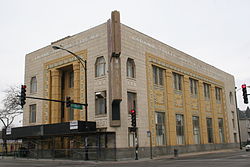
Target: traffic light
(23, 95)
(133, 120)
(68, 101)
(244, 90)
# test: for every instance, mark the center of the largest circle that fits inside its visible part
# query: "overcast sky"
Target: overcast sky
(214, 31)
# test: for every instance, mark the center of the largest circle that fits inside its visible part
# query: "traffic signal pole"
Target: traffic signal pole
(60, 101)
(134, 130)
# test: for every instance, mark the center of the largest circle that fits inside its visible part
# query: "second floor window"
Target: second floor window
(33, 85)
(206, 90)
(130, 68)
(157, 75)
(71, 113)
(100, 67)
(193, 86)
(233, 120)
(71, 79)
(218, 94)
(231, 98)
(177, 81)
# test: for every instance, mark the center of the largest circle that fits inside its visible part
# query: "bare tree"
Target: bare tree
(11, 108)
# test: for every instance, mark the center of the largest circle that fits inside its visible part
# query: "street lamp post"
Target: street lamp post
(84, 65)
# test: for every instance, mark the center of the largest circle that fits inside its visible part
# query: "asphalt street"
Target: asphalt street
(229, 158)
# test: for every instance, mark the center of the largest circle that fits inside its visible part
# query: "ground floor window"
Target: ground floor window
(132, 139)
(196, 130)
(221, 130)
(160, 128)
(180, 129)
(235, 138)
(210, 130)
(32, 113)
(100, 103)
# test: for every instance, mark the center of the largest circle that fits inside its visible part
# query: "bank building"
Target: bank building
(180, 103)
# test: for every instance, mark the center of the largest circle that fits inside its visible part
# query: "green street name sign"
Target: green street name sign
(76, 106)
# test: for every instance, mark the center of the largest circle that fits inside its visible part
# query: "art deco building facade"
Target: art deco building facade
(183, 102)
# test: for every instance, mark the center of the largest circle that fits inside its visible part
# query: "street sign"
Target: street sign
(73, 125)
(76, 106)
(8, 131)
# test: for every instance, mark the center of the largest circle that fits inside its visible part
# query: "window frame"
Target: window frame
(71, 113)
(71, 79)
(196, 130)
(210, 135)
(207, 91)
(131, 71)
(193, 86)
(180, 129)
(177, 81)
(221, 130)
(100, 66)
(100, 103)
(132, 105)
(32, 113)
(218, 92)
(158, 75)
(33, 84)
(231, 98)
(160, 128)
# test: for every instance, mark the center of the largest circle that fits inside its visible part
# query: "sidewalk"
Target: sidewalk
(122, 161)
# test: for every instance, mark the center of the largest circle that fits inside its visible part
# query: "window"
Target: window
(131, 139)
(32, 113)
(160, 128)
(177, 81)
(218, 94)
(235, 138)
(180, 129)
(206, 91)
(131, 101)
(71, 113)
(231, 98)
(100, 67)
(130, 68)
(210, 130)
(221, 130)
(158, 75)
(100, 103)
(71, 79)
(33, 85)
(193, 86)
(196, 130)
(233, 120)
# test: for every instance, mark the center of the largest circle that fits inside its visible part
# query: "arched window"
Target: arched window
(231, 98)
(100, 67)
(33, 85)
(130, 68)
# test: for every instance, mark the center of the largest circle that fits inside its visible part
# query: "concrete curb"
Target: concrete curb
(122, 161)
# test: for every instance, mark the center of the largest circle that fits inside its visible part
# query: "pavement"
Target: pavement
(126, 161)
